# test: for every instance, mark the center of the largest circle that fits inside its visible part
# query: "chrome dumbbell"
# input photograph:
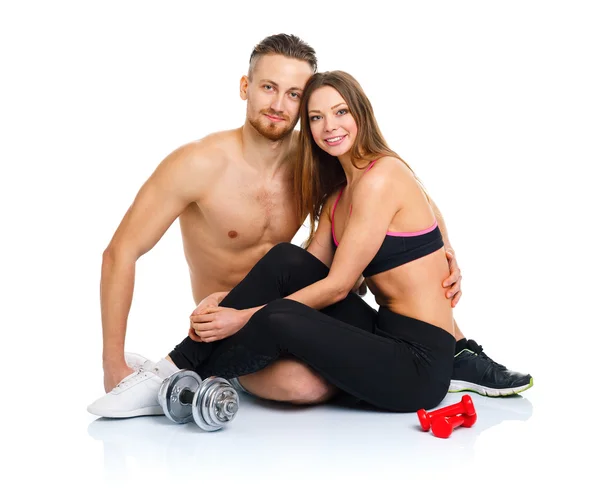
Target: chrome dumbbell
(211, 403)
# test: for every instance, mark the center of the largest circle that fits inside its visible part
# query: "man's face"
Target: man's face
(274, 94)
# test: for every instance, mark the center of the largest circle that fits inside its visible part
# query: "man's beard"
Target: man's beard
(271, 131)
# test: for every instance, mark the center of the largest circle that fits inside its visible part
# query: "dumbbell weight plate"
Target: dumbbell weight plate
(215, 404)
(170, 392)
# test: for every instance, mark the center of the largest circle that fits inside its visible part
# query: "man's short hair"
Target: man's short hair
(286, 45)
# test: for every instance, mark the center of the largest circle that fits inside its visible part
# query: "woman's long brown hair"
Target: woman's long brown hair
(317, 174)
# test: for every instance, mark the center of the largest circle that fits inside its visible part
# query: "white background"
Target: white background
(495, 105)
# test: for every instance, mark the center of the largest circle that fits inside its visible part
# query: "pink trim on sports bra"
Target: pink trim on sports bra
(371, 165)
(333, 218)
(413, 234)
(393, 234)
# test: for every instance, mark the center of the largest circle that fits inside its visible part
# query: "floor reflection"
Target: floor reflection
(288, 439)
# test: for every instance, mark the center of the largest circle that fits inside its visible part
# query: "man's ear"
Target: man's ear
(244, 87)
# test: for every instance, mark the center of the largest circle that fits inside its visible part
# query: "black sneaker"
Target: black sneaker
(476, 372)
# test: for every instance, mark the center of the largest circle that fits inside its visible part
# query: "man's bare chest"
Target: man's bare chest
(247, 214)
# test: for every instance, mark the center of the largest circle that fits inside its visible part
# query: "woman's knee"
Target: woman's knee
(282, 253)
(291, 254)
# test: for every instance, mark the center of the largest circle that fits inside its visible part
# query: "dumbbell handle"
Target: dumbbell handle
(186, 396)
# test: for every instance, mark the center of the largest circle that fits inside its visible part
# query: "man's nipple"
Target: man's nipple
(232, 234)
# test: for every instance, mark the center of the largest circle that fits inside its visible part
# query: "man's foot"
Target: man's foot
(475, 371)
(135, 395)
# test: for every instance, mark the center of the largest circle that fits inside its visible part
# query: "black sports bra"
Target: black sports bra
(398, 247)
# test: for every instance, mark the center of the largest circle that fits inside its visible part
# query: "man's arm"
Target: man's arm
(453, 282)
(176, 182)
(441, 225)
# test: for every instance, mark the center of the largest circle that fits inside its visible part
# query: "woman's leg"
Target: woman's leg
(374, 367)
(285, 269)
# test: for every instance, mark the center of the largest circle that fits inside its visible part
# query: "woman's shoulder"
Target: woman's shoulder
(391, 164)
(387, 171)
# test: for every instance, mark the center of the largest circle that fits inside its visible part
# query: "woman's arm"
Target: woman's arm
(375, 201)
(321, 245)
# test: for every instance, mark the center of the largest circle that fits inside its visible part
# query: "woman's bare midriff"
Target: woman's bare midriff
(415, 290)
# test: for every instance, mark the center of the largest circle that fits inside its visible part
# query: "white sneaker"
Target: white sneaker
(135, 361)
(135, 395)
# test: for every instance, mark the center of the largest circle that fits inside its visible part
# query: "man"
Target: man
(232, 192)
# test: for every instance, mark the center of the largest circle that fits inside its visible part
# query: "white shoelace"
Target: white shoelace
(141, 373)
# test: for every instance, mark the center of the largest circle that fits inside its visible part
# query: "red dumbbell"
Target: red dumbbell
(465, 407)
(468, 420)
(442, 427)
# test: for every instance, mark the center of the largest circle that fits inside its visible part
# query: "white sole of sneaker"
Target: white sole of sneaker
(145, 411)
(461, 386)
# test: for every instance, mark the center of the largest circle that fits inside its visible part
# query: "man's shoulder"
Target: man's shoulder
(210, 151)
(214, 145)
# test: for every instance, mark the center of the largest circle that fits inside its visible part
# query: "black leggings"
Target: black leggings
(386, 359)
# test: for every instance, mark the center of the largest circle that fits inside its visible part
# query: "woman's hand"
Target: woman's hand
(216, 323)
(211, 301)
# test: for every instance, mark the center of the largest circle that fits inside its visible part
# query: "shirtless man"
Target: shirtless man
(249, 170)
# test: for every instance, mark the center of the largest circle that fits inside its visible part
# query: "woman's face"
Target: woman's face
(332, 126)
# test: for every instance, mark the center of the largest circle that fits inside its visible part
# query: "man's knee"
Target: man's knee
(288, 380)
(305, 386)
(310, 388)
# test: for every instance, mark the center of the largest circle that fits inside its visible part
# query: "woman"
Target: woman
(373, 219)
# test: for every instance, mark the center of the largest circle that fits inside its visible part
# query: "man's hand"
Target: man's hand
(114, 374)
(452, 283)
(215, 323)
